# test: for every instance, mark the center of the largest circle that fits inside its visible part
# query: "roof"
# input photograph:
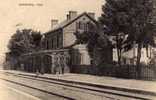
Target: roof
(68, 22)
(44, 52)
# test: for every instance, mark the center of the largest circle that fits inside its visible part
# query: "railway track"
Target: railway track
(112, 93)
(44, 91)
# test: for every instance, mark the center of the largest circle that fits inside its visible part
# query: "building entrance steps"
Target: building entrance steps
(103, 81)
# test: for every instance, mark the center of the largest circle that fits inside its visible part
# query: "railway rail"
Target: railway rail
(90, 88)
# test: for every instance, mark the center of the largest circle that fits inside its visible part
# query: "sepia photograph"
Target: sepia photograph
(78, 50)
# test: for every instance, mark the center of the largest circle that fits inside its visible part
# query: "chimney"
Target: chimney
(71, 15)
(91, 15)
(54, 22)
(68, 17)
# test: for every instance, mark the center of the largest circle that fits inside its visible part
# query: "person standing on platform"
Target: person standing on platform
(62, 63)
(37, 72)
(59, 63)
(66, 59)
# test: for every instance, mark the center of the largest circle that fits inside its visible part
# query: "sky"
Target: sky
(36, 14)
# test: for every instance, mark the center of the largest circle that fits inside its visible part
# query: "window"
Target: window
(55, 42)
(87, 27)
(82, 26)
(47, 44)
(44, 45)
(58, 41)
(79, 25)
(52, 42)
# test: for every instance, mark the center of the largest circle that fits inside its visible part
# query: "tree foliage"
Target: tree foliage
(115, 21)
(37, 37)
(24, 41)
(136, 18)
(95, 40)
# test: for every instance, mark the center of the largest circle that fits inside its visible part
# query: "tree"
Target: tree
(95, 41)
(37, 37)
(24, 41)
(115, 21)
(20, 42)
(136, 18)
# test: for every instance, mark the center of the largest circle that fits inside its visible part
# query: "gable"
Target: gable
(80, 24)
(79, 17)
(68, 22)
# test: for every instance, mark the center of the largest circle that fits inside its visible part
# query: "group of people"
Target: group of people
(59, 64)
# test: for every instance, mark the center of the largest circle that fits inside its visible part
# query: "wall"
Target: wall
(81, 56)
(69, 38)
(133, 53)
(51, 41)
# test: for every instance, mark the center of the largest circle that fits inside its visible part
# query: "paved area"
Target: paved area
(149, 86)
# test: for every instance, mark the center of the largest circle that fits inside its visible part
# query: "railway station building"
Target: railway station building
(54, 58)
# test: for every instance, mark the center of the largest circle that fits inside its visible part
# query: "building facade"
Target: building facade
(62, 35)
(54, 56)
(130, 57)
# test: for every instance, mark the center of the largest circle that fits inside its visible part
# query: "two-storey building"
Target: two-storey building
(62, 35)
(55, 56)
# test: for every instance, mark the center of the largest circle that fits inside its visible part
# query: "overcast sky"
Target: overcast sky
(13, 12)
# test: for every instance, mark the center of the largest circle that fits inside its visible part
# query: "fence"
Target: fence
(148, 72)
(125, 71)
